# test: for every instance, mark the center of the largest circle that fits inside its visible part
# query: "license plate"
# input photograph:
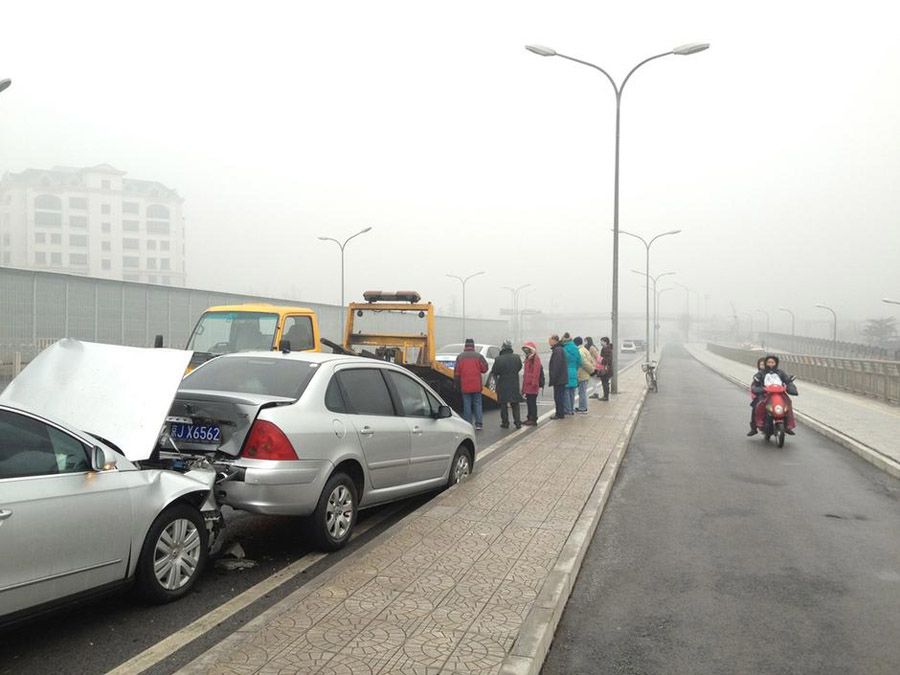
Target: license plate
(195, 433)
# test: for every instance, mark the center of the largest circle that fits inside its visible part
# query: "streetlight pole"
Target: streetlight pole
(463, 281)
(514, 293)
(342, 246)
(834, 327)
(655, 279)
(684, 50)
(647, 245)
(793, 320)
(768, 324)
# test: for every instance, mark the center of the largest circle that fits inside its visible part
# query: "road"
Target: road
(718, 553)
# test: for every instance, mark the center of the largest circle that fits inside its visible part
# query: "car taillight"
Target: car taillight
(266, 441)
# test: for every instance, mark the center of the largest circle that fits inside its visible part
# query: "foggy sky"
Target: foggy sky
(777, 151)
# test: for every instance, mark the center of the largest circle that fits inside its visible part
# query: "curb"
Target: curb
(536, 634)
(872, 455)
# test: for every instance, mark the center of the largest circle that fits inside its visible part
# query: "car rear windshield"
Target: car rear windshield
(253, 375)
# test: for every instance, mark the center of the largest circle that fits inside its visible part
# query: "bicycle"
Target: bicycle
(649, 369)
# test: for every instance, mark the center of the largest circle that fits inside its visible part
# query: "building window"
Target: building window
(131, 244)
(55, 238)
(130, 225)
(130, 261)
(104, 184)
(40, 258)
(39, 237)
(56, 258)
(80, 203)
(78, 221)
(106, 227)
(157, 227)
(163, 263)
(105, 246)
(158, 211)
(151, 278)
(151, 245)
(78, 240)
(131, 277)
(105, 264)
(104, 208)
(47, 219)
(131, 207)
(48, 202)
(164, 246)
(78, 259)
(151, 263)
(165, 280)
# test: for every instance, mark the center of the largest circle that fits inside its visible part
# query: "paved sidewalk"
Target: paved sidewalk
(861, 424)
(472, 582)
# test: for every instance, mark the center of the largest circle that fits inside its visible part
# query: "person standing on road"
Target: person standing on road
(606, 364)
(467, 372)
(506, 370)
(532, 381)
(559, 376)
(585, 369)
(573, 360)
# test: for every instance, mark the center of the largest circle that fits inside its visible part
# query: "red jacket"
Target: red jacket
(532, 373)
(470, 366)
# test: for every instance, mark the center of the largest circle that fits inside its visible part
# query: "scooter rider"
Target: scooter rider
(758, 387)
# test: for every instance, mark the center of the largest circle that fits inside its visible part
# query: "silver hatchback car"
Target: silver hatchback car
(318, 435)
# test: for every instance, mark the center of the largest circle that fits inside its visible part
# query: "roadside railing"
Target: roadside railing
(869, 377)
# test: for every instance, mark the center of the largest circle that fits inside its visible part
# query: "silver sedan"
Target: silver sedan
(318, 435)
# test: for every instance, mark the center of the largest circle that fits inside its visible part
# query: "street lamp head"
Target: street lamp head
(823, 306)
(672, 232)
(5, 83)
(368, 229)
(692, 48)
(324, 238)
(541, 50)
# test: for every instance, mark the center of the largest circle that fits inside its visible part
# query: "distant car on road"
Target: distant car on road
(83, 507)
(640, 345)
(447, 354)
(628, 347)
(319, 435)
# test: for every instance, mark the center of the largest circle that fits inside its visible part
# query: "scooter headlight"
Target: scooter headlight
(779, 409)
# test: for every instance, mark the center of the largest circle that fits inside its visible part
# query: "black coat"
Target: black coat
(559, 369)
(506, 369)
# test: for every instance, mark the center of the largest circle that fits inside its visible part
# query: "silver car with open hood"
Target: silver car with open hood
(87, 501)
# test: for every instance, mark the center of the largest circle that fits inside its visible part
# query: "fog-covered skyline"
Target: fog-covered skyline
(777, 151)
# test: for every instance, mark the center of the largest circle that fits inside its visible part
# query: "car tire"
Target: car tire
(461, 467)
(174, 554)
(335, 514)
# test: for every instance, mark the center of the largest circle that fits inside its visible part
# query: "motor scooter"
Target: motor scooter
(777, 406)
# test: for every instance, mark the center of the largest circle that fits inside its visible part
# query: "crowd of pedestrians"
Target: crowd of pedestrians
(573, 361)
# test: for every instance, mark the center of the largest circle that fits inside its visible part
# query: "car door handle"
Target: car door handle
(5, 513)
(417, 430)
(367, 431)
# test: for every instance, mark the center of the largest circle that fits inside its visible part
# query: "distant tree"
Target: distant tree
(879, 330)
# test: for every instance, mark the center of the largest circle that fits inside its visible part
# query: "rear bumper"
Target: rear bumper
(273, 488)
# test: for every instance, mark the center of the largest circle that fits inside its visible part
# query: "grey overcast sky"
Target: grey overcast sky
(777, 151)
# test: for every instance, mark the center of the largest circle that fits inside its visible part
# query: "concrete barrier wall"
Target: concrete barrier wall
(879, 379)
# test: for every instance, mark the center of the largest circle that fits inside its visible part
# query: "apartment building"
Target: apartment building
(92, 221)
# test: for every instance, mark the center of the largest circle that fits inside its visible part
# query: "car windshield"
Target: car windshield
(228, 332)
(283, 377)
(452, 349)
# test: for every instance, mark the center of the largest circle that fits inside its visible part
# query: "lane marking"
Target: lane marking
(199, 627)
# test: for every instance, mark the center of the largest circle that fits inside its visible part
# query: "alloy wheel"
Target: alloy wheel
(462, 468)
(176, 555)
(339, 512)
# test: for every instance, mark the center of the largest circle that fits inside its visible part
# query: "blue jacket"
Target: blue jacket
(573, 360)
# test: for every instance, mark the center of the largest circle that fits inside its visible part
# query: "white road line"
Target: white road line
(165, 648)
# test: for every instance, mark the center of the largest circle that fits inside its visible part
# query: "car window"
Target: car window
(334, 399)
(493, 352)
(299, 332)
(413, 397)
(275, 376)
(451, 349)
(365, 391)
(28, 447)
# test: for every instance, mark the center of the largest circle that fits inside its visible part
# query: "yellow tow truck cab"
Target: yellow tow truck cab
(251, 327)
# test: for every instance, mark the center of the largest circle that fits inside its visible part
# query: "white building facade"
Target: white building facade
(92, 221)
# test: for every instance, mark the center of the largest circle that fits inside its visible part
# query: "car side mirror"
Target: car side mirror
(102, 459)
(284, 346)
(443, 412)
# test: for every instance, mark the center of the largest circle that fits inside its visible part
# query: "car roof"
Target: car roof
(261, 307)
(310, 357)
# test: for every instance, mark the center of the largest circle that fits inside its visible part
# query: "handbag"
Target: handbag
(600, 366)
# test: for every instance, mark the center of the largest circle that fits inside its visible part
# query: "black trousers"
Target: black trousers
(604, 380)
(559, 398)
(504, 413)
(531, 404)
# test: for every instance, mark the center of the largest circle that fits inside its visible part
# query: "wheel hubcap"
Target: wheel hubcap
(339, 513)
(461, 469)
(177, 554)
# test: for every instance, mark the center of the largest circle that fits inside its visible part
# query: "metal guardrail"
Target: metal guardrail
(800, 344)
(869, 377)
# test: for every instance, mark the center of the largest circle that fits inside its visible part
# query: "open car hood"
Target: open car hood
(121, 394)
